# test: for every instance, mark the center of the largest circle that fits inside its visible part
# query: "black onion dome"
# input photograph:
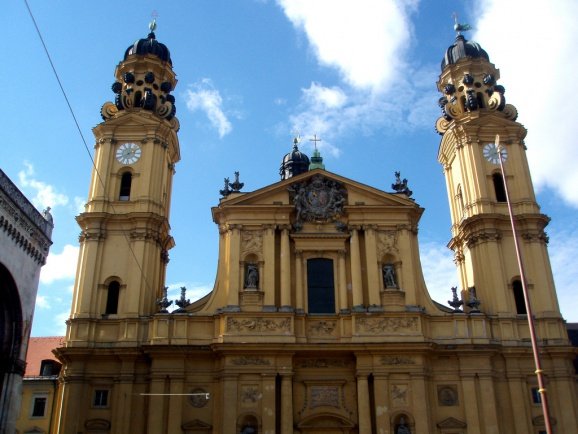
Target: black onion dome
(294, 163)
(462, 49)
(150, 45)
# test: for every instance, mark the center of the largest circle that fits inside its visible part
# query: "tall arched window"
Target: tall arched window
(112, 298)
(320, 286)
(499, 187)
(125, 184)
(460, 199)
(519, 297)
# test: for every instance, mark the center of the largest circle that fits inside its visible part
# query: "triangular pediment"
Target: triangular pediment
(278, 193)
(451, 422)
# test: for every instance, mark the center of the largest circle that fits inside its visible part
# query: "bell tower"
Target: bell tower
(474, 111)
(125, 232)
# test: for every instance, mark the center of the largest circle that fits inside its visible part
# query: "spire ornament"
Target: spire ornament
(400, 187)
(163, 302)
(455, 302)
(182, 302)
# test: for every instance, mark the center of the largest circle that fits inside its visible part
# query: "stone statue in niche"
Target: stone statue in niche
(389, 280)
(252, 277)
(402, 428)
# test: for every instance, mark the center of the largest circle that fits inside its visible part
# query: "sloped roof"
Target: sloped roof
(39, 349)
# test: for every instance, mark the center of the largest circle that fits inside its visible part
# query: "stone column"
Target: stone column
(519, 402)
(381, 387)
(268, 411)
(356, 281)
(343, 304)
(562, 386)
(285, 270)
(229, 403)
(175, 419)
(156, 405)
(286, 404)
(268, 284)
(420, 404)
(234, 235)
(488, 397)
(363, 409)
(471, 404)
(123, 398)
(299, 292)
(70, 415)
(372, 267)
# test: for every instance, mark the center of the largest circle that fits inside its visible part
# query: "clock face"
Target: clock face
(492, 154)
(128, 153)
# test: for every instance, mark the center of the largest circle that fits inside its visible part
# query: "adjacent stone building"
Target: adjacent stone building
(25, 238)
(320, 320)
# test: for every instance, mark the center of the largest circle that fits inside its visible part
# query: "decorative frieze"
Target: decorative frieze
(399, 395)
(447, 395)
(322, 327)
(251, 242)
(250, 360)
(397, 360)
(322, 396)
(383, 325)
(258, 325)
(386, 243)
(199, 397)
(325, 363)
(250, 395)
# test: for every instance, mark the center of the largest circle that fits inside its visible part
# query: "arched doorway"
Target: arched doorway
(11, 365)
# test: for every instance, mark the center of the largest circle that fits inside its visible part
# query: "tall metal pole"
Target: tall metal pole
(539, 372)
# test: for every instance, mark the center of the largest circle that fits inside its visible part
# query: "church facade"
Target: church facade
(320, 320)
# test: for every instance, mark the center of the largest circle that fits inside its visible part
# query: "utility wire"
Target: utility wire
(80, 133)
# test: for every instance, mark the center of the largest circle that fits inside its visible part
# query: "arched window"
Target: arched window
(320, 286)
(125, 184)
(112, 298)
(519, 297)
(460, 199)
(499, 187)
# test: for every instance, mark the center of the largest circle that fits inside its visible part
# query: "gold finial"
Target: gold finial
(459, 28)
(153, 23)
(296, 138)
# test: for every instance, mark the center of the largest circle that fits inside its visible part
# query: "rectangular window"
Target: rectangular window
(536, 397)
(38, 406)
(100, 398)
(320, 286)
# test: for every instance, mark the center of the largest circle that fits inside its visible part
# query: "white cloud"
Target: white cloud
(203, 96)
(330, 112)
(563, 249)
(59, 324)
(536, 60)
(439, 271)
(60, 266)
(367, 41)
(79, 203)
(324, 97)
(45, 195)
(363, 39)
(42, 302)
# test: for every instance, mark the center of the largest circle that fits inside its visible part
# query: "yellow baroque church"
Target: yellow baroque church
(320, 321)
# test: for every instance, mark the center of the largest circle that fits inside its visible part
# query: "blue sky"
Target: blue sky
(360, 74)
